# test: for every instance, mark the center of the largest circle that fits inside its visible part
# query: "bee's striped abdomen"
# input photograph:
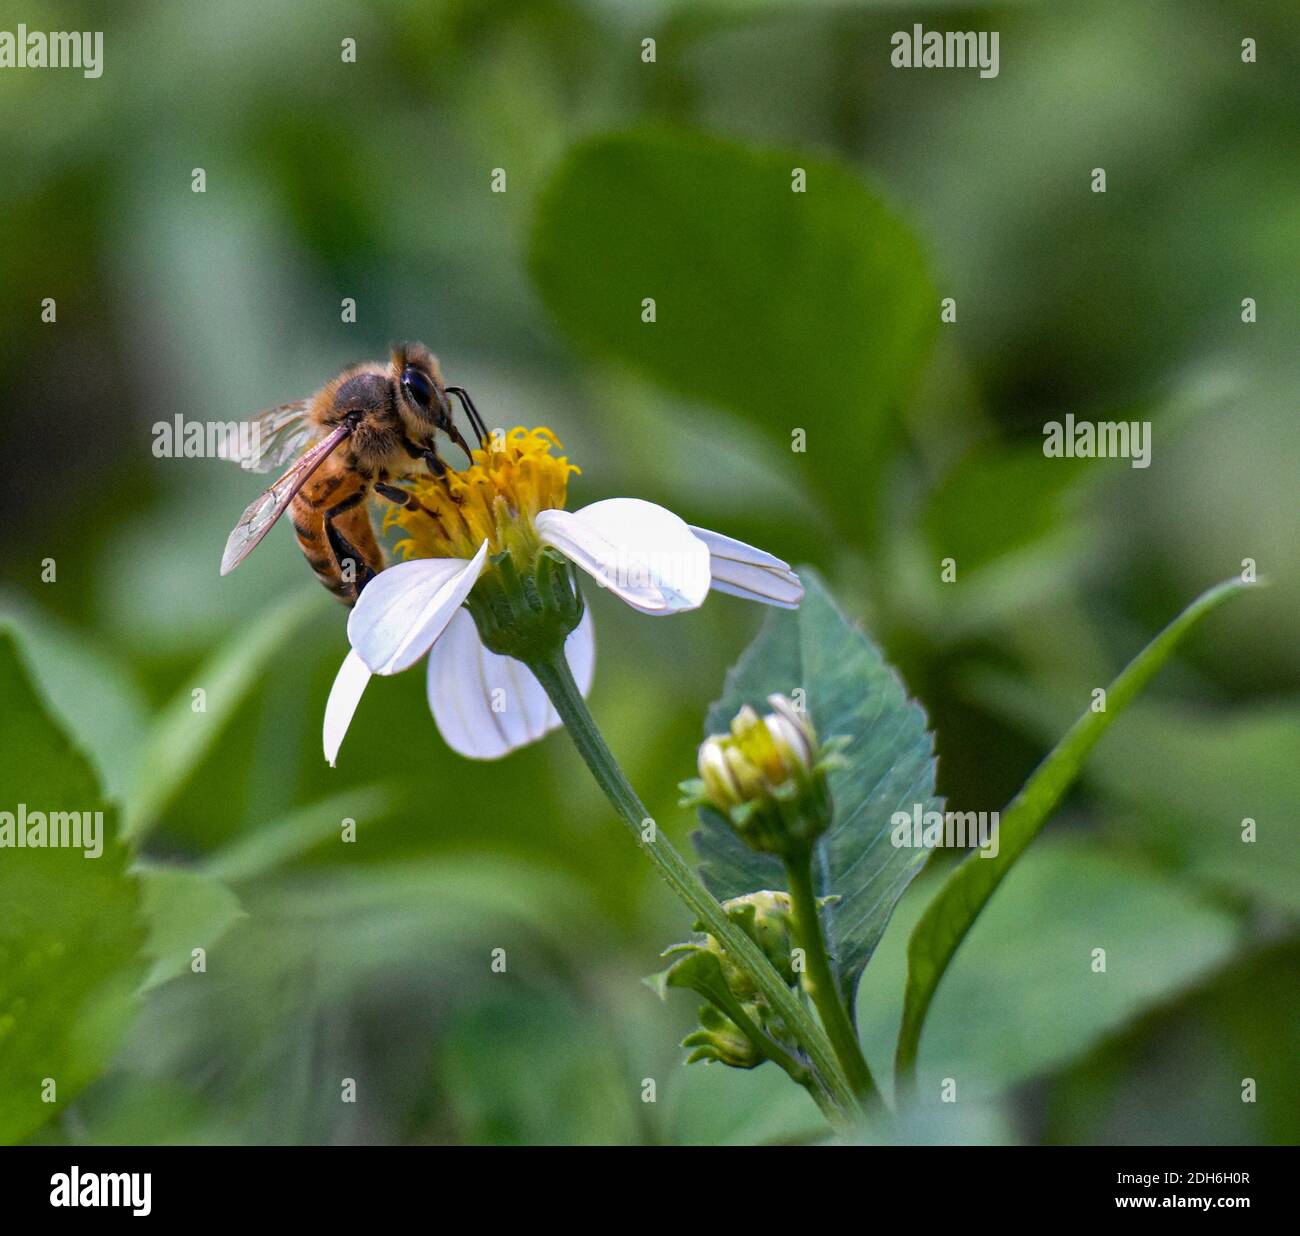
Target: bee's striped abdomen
(353, 532)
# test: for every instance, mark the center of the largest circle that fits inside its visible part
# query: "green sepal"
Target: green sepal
(720, 1039)
(526, 614)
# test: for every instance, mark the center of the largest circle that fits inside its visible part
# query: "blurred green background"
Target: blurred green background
(775, 311)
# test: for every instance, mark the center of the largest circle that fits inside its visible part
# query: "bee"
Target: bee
(371, 425)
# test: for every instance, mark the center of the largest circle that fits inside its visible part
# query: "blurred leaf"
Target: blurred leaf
(972, 1122)
(888, 766)
(1246, 1024)
(967, 890)
(69, 931)
(90, 694)
(534, 1069)
(1183, 782)
(344, 915)
(185, 910)
(1024, 997)
(804, 310)
(1010, 520)
(181, 737)
(352, 972)
(994, 503)
(1224, 488)
(712, 1105)
(274, 845)
(129, 1110)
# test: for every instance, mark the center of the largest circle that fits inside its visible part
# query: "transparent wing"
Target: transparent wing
(265, 509)
(271, 438)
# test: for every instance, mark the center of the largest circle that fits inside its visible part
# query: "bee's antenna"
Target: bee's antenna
(480, 428)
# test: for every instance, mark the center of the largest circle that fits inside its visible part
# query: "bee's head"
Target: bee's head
(422, 396)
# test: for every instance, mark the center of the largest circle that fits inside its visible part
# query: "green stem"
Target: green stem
(557, 680)
(819, 982)
(794, 1068)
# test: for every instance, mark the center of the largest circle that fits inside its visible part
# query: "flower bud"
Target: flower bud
(766, 917)
(737, 1012)
(767, 777)
(719, 1038)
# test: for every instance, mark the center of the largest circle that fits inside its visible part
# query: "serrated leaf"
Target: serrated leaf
(795, 309)
(888, 766)
(70, 933)
(967, 890)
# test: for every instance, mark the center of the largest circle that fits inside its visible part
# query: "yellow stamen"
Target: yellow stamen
(495, 499)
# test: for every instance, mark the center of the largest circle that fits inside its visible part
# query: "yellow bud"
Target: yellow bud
(766, 778)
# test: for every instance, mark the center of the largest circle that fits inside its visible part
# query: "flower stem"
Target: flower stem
(796, 1069)
(819, 982)
(557, 680)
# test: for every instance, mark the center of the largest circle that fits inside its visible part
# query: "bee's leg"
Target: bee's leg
(344, 551)
(398, 496)
(428, 453)
(404, 498)
(480, 427)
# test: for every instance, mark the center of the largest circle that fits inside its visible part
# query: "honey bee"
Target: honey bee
(367, 427)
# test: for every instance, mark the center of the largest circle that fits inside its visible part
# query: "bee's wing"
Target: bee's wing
(264, 510)
(270, 438)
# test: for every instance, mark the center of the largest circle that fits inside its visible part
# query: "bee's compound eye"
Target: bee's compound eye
(418, 387)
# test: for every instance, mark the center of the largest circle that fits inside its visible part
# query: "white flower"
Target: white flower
(485, 704)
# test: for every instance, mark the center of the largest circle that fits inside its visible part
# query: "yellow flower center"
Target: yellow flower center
(493, 500)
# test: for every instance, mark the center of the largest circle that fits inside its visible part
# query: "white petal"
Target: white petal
(641, 552)
(405, 608)
(728, 547)
(744, 571)
(487, 705)
(345, 695)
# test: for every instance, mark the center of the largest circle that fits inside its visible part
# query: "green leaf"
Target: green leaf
(90, 693)
(185, 910)
(718, 1106)
(888, 766)
(996, 502)
(274, 845)
(1026, 997)
(70, 935)
(181, 737)
(340, 967)
(1244, 1023)
(811, 310)
(949, 916)
(1179, 782)
(536, 1068)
